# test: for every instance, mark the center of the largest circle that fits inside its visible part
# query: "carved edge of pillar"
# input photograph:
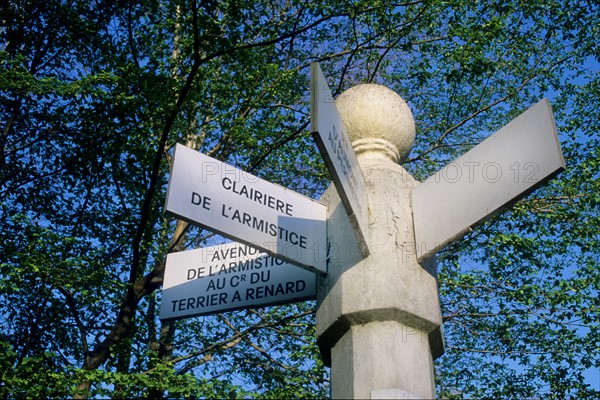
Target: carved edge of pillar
(334, 332)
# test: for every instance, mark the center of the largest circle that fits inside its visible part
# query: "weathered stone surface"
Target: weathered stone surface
(385, 355)
(378, 318)
(377, 115)
(388, 285)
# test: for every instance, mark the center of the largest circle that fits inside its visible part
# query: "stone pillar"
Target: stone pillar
(378, 318)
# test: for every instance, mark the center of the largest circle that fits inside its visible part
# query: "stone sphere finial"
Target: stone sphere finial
(378, 121)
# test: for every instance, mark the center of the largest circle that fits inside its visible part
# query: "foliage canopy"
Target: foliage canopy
(94, 94)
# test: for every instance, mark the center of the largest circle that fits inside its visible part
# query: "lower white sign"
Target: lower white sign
(229, 277)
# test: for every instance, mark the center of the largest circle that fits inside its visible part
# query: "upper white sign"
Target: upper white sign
(494, 174)
(229, 277)
(243, 207)
(337, 151)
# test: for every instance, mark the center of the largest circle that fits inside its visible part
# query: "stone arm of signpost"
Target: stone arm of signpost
(493, 175)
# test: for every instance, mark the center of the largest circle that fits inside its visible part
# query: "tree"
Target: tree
(95, 94)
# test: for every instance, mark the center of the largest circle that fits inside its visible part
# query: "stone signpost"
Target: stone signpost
(378, 318)
(379, 323)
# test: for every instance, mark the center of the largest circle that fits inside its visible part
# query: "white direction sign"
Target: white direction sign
(336, 148)
(243, 207)
(493, 175)
(229, 277)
